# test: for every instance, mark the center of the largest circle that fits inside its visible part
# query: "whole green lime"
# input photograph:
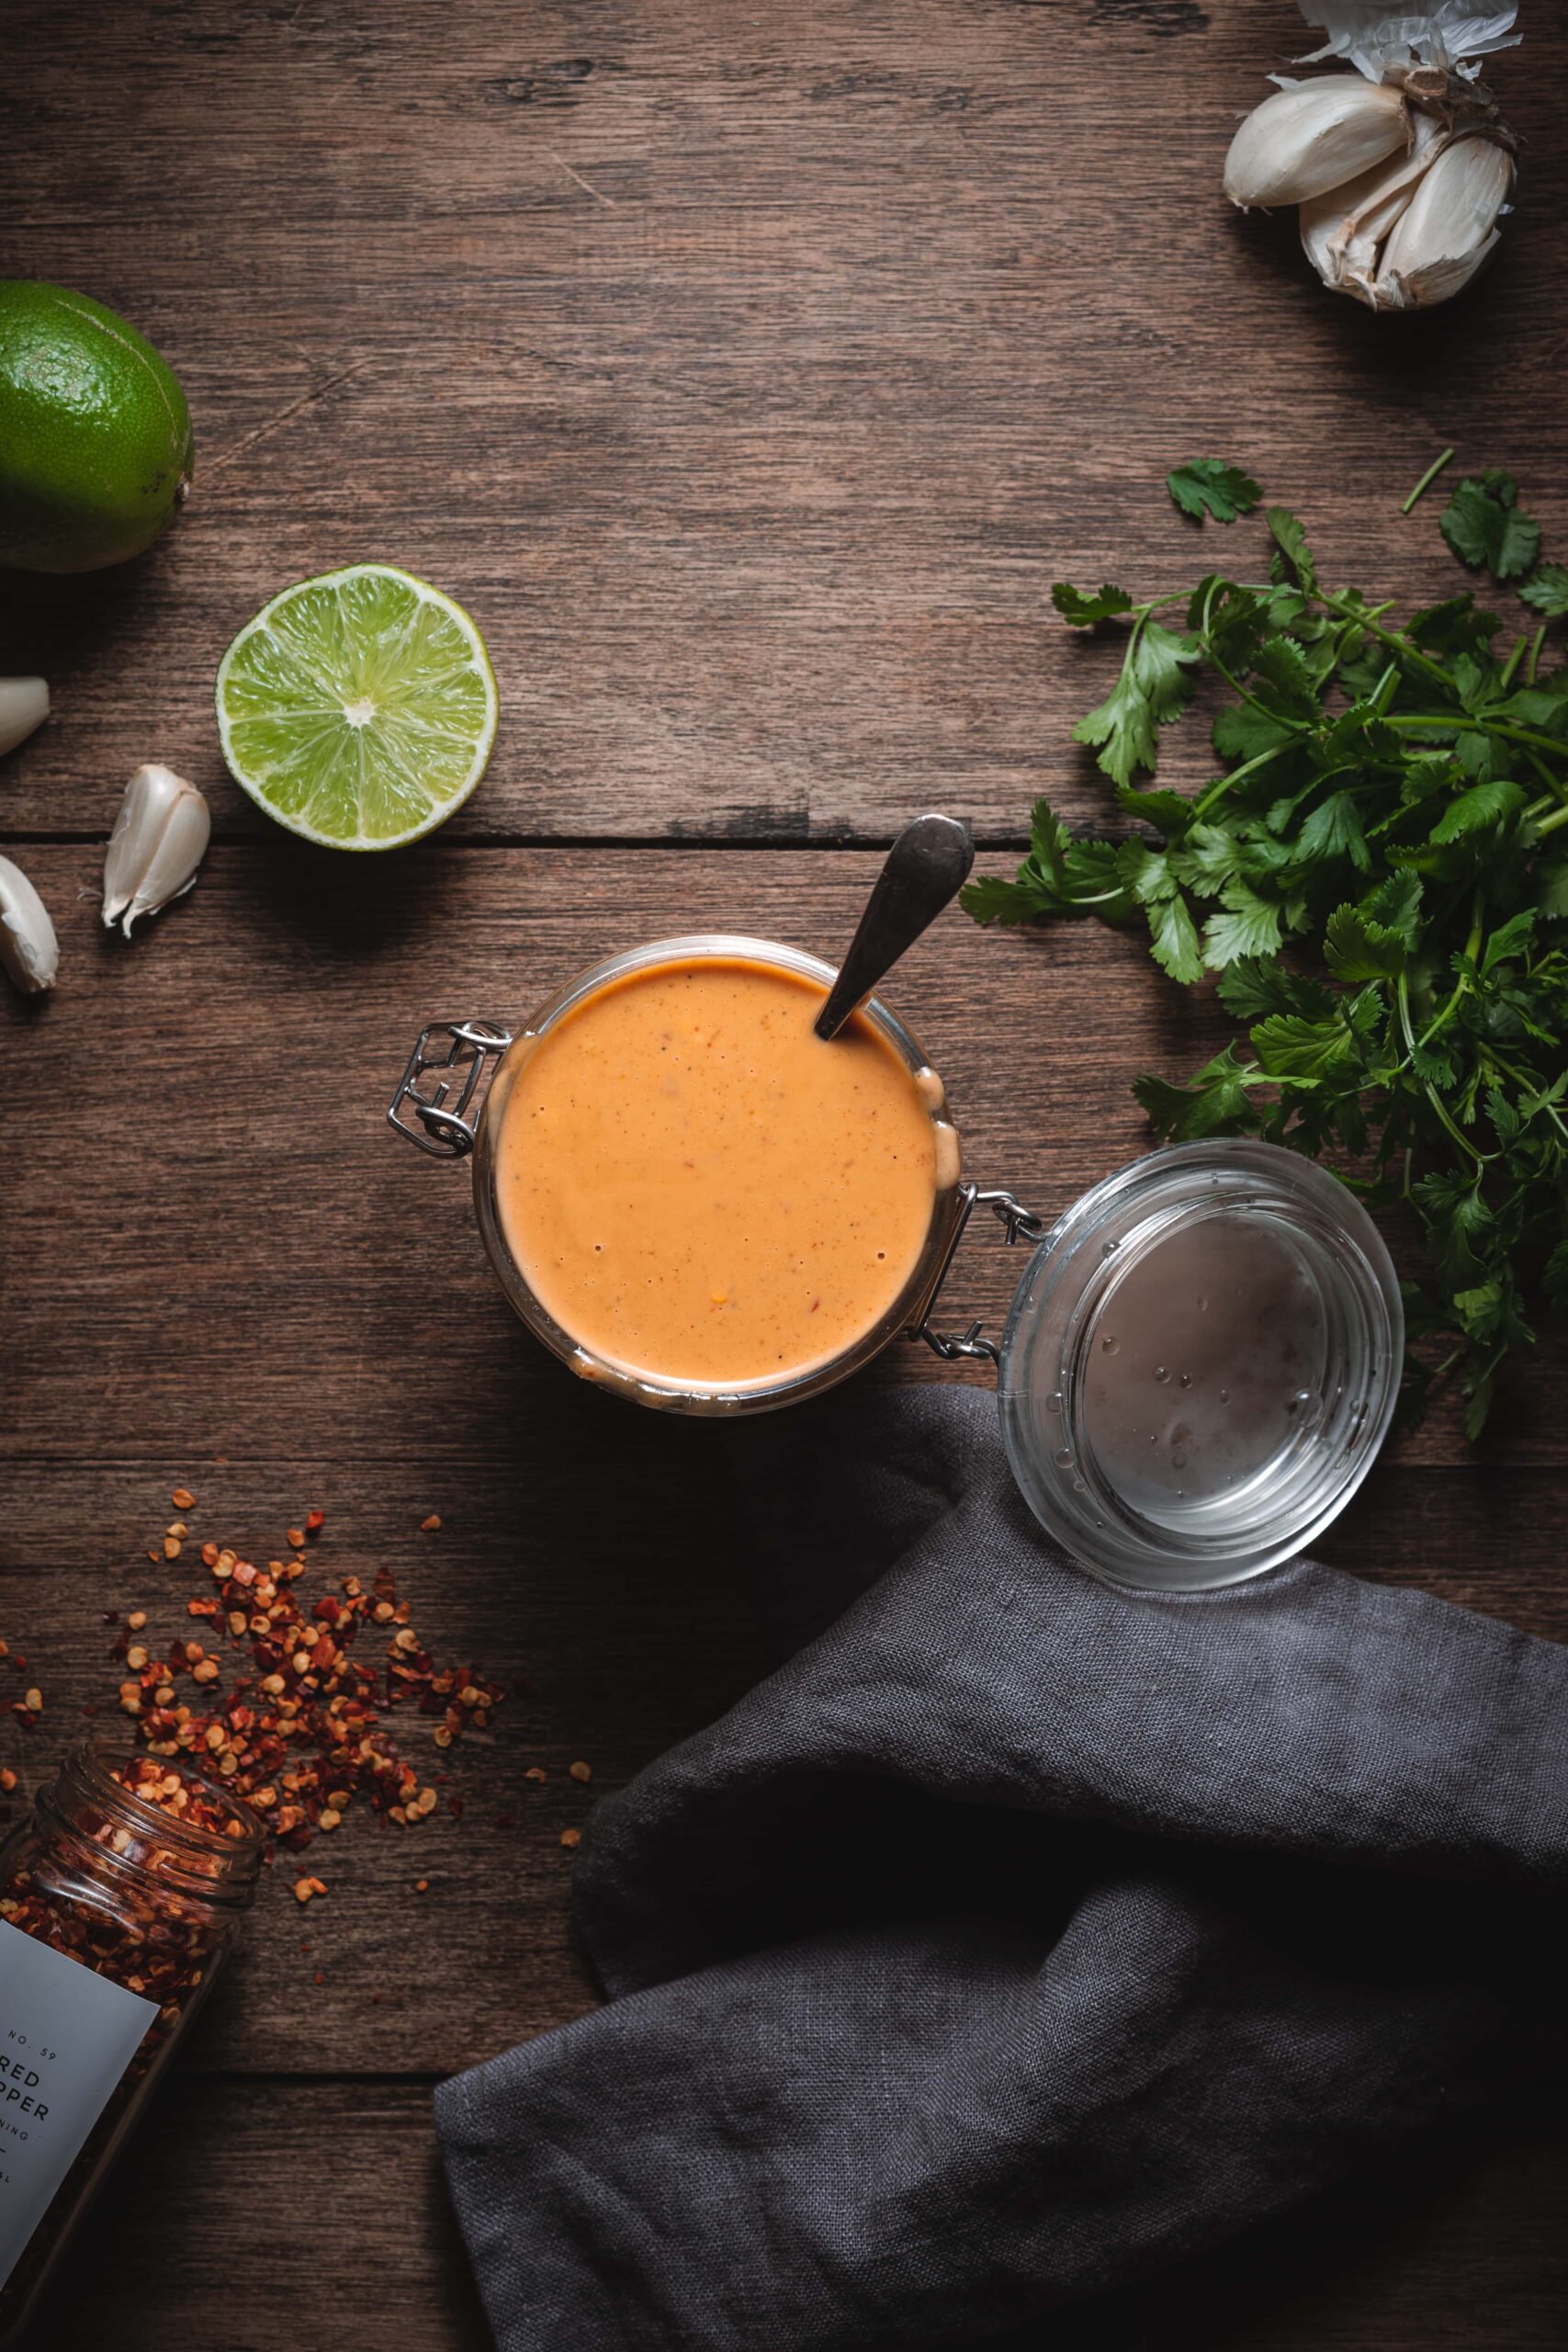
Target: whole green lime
(94, 434)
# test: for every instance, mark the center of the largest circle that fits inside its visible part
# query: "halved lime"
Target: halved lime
(358, 708)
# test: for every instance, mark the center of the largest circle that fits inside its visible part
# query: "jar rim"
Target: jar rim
(644, 1387)
(1054, 1313)
(189, 1844)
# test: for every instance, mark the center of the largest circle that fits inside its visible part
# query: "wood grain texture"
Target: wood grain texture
(750, 376)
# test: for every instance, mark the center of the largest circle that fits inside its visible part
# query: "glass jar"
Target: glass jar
(437, 1117)
(120, 1900)
(1200, 1364)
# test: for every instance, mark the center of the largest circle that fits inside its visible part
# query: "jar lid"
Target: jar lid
(1200, 1364)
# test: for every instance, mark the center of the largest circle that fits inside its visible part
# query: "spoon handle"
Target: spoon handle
(925, 867)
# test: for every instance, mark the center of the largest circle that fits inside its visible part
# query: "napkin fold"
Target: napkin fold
(1018, 1934)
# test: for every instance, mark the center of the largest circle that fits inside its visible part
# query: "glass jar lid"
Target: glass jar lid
(1200, 1364)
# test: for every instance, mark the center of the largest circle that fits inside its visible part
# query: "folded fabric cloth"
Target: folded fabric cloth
(1018, 1934)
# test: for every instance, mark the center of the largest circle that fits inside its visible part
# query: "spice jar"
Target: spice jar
(119, 1899)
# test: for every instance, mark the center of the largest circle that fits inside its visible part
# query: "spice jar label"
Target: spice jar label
(67, 2037)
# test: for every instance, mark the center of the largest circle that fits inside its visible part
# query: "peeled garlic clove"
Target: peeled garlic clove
(1448, 227)
(160, 838)
(28, 948)
(23, 704)
(1305, 140)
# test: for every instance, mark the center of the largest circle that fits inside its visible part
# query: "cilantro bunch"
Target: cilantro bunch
(1378, 874)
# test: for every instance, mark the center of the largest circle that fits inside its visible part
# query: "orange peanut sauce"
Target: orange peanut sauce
(698, 1190)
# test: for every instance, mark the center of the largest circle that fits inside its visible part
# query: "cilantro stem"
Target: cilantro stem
(1536, 644)
(1455, 723)
(1558, 817)
(1512, 663)
(1428, 479)
(1402, 997)
(1222, 783)
(1466, 979)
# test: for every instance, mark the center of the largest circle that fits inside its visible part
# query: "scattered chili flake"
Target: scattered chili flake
(171, 1547)
(294, 1537)
(7, 1779)
(429, 1526)
(581, 1771)
(182, 1499)
(33, 1701)
(306, 1888)
(314, 1521)
(301, 1730)
(535, 1773)
(571, 1836)
(421, 1886)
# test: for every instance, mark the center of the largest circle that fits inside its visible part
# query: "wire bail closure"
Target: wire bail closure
(448, 1133)
(1018, 1223)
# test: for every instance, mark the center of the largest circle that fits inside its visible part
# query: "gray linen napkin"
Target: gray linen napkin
(1017, 1936)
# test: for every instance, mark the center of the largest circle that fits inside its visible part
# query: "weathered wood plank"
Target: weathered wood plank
(751, 377)
(213, 1240)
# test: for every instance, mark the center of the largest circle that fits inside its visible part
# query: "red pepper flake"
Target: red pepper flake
(581, 1771)
(430, 1526)
(182, 1499)
(294, 1537)
(7, 1779)
(314, 1521)
(421, 1886)
(301, 1731)
(571, 1836)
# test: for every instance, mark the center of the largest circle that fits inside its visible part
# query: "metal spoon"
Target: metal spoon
(925, 867)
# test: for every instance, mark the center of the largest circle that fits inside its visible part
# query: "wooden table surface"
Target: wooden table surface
(750, 376)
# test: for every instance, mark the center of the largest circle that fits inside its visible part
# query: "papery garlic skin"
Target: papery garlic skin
(1315, 136)
(159, 840)
(1448, 227)
(29, 951)
(23, 704)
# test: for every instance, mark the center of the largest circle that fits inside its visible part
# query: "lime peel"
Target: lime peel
(358, 707)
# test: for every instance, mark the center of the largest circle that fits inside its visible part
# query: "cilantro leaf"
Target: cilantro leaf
(1254, 985)
(1216, 1103)
(1294, 553)
(1546, 590)
(1204, 486)
(1155, 683)
(1484, 524)
(1482, 805)
(1248, 925)
(1358, 947)
(1083, 610)
(991, 898)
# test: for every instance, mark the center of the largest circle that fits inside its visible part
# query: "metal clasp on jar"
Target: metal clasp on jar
(1019, 1223)
(441, 1108)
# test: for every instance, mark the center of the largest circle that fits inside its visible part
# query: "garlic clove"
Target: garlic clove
(23, 704)
(30, 952)
(1448, 227)
(1315, 136)
(1343, 231)
(159, 840)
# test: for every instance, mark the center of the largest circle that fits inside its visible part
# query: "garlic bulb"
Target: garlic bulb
(28, 948)
(1403, 168)
(159, 840)
(1314, 136)
(23, 704)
